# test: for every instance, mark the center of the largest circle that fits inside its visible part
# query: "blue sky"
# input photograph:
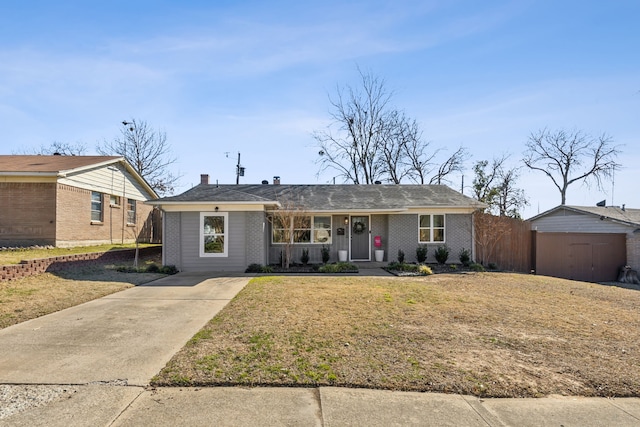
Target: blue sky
(254, 77)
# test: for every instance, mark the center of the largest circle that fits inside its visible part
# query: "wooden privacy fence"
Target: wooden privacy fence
(503, 241)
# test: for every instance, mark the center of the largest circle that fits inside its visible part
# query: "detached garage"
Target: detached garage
(586, 243)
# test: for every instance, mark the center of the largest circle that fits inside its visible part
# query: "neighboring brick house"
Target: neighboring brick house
(72, 201)
(227, 227)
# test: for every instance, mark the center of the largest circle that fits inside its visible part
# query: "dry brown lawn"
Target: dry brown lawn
(485, 334)
(35, 296)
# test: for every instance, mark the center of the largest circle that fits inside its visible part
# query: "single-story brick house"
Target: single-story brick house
(72, 201)
(215, 227)
(588, 243)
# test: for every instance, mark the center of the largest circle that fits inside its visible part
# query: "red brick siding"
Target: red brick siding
(75, 225)
(27, 213)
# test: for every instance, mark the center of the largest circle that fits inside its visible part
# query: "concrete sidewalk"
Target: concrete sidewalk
(327, 406)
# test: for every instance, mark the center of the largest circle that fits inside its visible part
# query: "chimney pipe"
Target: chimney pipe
(276, 180)
(204, 179)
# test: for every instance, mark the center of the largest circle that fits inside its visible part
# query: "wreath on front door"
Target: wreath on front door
(358, 227)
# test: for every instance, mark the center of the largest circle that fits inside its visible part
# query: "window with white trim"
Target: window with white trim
(214, 240)
(322, 229)
(431, 228)
(306, 229)
(114, 200)
(96, 206)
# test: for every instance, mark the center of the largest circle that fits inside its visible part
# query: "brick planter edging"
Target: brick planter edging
(38, 266)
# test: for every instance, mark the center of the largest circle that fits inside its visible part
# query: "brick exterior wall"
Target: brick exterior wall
(75, 228)
(27, 213)
(380, 227)
(633, 250)
(171, 254)
(255, 238)
(38, 266)
(403, 234)
(60, 215)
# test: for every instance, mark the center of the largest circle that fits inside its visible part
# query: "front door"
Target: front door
(360, 238)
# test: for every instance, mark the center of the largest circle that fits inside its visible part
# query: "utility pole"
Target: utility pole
(239, 170)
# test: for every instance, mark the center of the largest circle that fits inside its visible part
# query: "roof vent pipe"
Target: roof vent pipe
(377, 182)
(204, 179)
(265, 182)
(276, 180)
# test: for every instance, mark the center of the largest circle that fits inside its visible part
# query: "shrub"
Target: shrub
(465, 257)
(492, 266)
(400, 256)
(254, 268)
(453, 267)
(304, 258)
(325, 254)
(341, 267)
(168, 269)
(442, 254)
(476, 267)
(258, 268)
(153, 268)
(421, 254)
(425, 270)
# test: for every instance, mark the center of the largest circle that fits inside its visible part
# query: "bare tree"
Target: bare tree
(370, 140)
(61, 148)
(148, 151)
(454, 163)
(288, 221)
(510, 199)
(570, 156)
(497, 187)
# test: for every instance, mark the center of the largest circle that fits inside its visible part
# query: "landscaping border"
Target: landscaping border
(37, 266)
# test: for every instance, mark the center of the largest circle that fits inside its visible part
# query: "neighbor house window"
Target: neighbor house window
(114, 200)
(131, 211)
(96, 206)
(307, 229)
(431, 228)
(213, 234)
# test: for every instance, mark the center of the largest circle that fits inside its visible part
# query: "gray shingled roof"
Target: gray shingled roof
(628, 216)
(330, 197)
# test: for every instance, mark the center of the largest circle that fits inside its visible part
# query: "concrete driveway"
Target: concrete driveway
(121, 339)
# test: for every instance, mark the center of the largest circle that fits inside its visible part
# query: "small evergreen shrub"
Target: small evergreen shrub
(304, 258)
(477, 267)
(253, 268)
(266, 269)
(453, 267)
(169, 269)
(153, 268)
(421, 254)
(400, 256)
(442, 254)
(325, 254)
(492, 266)
(465, 257)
